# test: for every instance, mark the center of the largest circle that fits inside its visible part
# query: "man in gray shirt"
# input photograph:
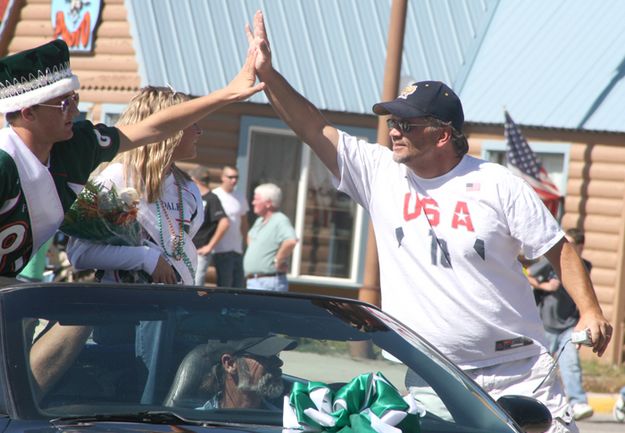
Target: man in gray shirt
(270, 242)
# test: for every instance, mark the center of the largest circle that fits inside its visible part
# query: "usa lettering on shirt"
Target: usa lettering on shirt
(415, 205)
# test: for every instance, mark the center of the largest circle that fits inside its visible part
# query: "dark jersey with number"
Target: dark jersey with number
(557, 309)
(213, 213)
(71, 162)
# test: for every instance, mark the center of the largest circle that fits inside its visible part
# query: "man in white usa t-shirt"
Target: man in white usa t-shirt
(449, 228)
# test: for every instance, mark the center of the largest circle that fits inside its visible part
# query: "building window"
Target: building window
(554, 157)
(85, 111)
(328, 223)
(275, 158)
(330, 215)
(111, 113)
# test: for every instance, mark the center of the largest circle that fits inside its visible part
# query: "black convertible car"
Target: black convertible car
(95, 357)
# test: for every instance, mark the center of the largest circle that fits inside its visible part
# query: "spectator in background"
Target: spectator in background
(560, 315)
(228, 253)
(270, 242)
(215, 224)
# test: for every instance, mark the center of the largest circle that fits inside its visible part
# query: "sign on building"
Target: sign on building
(74, 21)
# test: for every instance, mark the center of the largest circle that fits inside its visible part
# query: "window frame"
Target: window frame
(87, 109)
(539, 147)
(108, 109)
(252, 124)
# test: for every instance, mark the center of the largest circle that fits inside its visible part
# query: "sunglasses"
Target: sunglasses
(403, 125)
(232, 177)
(65, 103)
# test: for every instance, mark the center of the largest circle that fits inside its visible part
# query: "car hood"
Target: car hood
(129, 427)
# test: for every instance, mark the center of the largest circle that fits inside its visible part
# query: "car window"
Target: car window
(221, 356)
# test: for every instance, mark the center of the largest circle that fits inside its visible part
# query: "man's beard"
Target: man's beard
(400, 159)
(403, 157)
(269, 386)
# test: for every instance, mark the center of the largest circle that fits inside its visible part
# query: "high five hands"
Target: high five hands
(257, 39)
(243, 85)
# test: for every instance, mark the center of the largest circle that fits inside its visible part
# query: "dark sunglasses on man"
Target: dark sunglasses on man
(403, 126)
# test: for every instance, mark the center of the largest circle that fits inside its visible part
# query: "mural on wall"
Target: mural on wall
(74, 21)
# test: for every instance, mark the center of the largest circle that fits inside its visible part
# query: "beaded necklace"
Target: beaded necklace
(178, 239)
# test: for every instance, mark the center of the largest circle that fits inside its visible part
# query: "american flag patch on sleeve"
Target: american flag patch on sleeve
(473, 186)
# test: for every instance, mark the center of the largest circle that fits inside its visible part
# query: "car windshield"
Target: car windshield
(218, 355)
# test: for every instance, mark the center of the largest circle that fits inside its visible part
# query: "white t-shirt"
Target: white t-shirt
(236, 207)
(479, 217)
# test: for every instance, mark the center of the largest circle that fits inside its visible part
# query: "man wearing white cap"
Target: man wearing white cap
(46, 158)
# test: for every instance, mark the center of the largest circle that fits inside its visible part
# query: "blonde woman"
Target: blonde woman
(170, 207)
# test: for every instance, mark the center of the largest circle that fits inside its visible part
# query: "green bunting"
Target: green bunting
(367, 404)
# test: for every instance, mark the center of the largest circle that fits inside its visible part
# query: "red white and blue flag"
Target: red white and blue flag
(523, 162)
(473, 186)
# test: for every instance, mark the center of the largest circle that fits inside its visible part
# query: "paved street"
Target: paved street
(600, 423)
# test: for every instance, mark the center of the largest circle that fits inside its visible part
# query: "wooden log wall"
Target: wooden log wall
(594, 203)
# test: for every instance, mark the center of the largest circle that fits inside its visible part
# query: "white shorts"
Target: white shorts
(521, 378)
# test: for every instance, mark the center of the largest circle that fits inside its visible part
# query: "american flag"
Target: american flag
(524, 163)
(473, 186)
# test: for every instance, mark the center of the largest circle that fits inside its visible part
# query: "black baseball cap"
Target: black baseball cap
(425, 98)
(262, 346)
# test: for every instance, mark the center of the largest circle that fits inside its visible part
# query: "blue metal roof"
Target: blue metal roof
(558, 64)
(332, 51)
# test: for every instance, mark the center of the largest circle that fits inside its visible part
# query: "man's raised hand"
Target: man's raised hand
(258, 39)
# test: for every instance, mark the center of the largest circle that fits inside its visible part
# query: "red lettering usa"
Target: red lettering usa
(461, 216)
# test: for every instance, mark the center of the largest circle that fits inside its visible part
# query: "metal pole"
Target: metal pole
(370, 291)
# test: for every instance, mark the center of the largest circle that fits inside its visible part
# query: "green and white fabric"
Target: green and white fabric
(34, 76)
(34, 196)
(37, 191)
(367, 404)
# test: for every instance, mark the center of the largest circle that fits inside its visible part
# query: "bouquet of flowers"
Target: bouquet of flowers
(107, 216)
(104, 215)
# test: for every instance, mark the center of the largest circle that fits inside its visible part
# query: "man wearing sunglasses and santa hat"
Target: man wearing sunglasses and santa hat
(46, 157)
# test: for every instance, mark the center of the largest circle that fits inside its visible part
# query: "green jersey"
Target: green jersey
(70, 164)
